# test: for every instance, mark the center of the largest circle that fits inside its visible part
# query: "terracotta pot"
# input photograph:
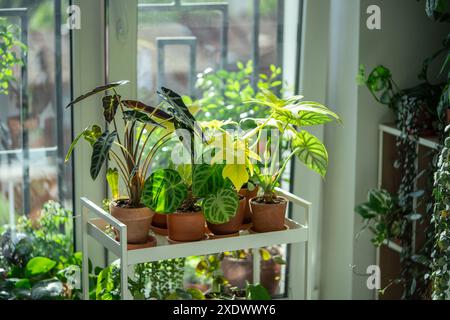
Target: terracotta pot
(240, 271)
(186, 226)
(232, 226)
(268, 217)
(248, 195)
(137, 220)
(160, 221)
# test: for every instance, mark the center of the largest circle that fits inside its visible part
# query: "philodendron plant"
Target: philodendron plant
(289, 116)
(141, 123)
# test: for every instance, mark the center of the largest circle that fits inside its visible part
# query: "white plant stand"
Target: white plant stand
(95, 220)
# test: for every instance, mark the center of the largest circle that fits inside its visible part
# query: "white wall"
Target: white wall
(336, 40)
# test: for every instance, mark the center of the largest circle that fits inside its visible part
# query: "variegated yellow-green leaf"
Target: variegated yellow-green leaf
(112, 176)
(311, 151)
(220, 207)
(164, 191)
(237, 173)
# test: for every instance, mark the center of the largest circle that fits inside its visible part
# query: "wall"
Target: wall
(406, 38)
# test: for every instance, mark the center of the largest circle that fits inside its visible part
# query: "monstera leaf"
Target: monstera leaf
(136, 115)
(100, 152)
(133, 104)
(164, 191)
(110, 105)
(220, 207)
(207, 179)
(97, 90)
(311, 152)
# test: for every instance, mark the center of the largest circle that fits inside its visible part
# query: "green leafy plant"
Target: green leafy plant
(140, 123)
(9, 44)
(381, 215)
(223, 92)
(288, 116)
(441, 218)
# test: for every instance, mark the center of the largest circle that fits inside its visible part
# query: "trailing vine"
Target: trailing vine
(441, 218)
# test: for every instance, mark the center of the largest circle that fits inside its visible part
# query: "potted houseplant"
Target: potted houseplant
(288, 116)
(126, 151)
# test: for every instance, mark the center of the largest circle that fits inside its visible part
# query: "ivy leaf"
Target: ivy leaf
(311, 152)
(220, 207)
(257, 292)
(100, 152)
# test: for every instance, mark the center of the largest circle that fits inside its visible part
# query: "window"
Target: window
(35, 130)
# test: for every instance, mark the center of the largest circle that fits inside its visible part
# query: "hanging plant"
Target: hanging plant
(441, 251)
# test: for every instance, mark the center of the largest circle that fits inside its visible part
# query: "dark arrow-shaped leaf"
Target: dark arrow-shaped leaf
(136, 115)
(110, 105)
(133, 104)
(100, 152)
(97, 90)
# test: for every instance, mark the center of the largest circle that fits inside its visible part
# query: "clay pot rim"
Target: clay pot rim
(284, 200)
(114, 203)
(183, 213)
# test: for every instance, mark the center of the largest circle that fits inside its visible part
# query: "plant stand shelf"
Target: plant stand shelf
(95, 222)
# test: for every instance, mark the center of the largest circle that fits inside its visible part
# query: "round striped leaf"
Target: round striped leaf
(164, 191)
(311, 152)
(207, 179)
(220, 207)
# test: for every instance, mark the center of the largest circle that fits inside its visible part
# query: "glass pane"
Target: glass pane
(35, 127)
(220, 53)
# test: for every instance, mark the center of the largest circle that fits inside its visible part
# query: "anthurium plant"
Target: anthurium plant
(125, 146)
(289, 116)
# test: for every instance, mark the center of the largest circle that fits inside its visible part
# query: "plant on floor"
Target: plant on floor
(440, 265)
(381, 215)
(223, 92)
(37, 261)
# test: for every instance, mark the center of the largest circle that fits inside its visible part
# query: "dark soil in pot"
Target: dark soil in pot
(240, 271)
(268, 217)
(186, 226)
(248, 195)
(137, 220)
(232, 226)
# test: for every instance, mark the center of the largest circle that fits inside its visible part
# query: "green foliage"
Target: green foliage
(438, 10)
(220, 207)
(223, 92)
(164, 191)
(132, 159)
(440, 265)
(257, 292)
(381, 214)
(9, 44)
(288, 115)
(38, 258)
